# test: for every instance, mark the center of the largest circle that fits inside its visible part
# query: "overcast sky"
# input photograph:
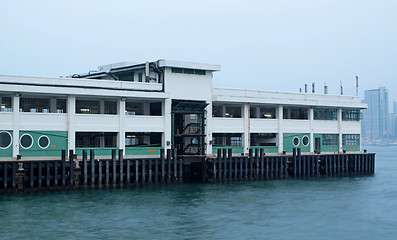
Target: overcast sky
(269, 45)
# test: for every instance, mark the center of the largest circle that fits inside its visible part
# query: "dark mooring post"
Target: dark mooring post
(169, 157)
(271, 167)
(143, 178)
(31, 174)
(180, 171)
(317, 160)
(162, 166)
(298, 153)
(219, 164)
(241, 169)
(63, 160)
(121, 163)
(107, 173)
(246, 168)
(214, 170)
(235, 168)
(262, 164)
(100, 174)
(71, 158)
(326, 165)
(295, 159)
(267, 168)
(156, 171)
(175, 156)
(285, 167)
(312, 165)
(256, 173)
(114, 169)
(276, 163)
(224, 159)
(251, 163)
(303, 160)
(92, 160)
(85, 168)
(229, 155)
(136, 172)
(129, 172)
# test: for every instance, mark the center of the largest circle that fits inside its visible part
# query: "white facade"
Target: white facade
(167, 85)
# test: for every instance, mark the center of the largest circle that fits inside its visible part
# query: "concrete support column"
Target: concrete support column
(71, 111)
(246, 134)
(146, 108)
(15, 132)
(121, 115)
(53, 105)
(101, 107)
(167, 105)
(340, 128)
(258, 112)
(208, 129)
(280, 135)
(311, 119)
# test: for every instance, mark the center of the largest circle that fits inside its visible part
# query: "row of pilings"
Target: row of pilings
(258, 166)
(90, 173)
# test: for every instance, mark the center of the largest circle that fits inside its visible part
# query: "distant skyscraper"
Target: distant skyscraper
(375, 118)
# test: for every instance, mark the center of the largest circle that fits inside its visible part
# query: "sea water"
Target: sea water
(363, 207)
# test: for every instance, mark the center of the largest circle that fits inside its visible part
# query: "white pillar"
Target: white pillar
(15, 131)
(208, 129)
(101, 107)
(340, 128)
(311, 118)
(167, 104)
(280, 134)
(246, 135)
(121, 115)
(146, 108)
(71, 111)
(53, 105)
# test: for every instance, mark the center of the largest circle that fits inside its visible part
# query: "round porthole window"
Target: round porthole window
(295, 141)
(26, 141)
(305, 141)
(44, 142)
(5, 140)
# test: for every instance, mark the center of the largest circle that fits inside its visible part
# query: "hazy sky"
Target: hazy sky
(270, 45)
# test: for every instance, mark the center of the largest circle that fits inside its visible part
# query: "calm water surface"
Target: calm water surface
(324, 208)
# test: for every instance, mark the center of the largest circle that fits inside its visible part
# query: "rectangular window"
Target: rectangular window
(143, 139)
(269, 113)
(325, 114)
(155, 109)
(217, 110)
(295, 113)
(134, 108)
(351, 115)
(177, 70)
(140, 77)
(126, 76)
(87, 107)
(61, 106)
(351, 139)
(110, 107)
(330, 139)
(6, 105)
(96, 139)
(188, 71)
(263, 139)
(227, 139)
(233, 112)
(35, 105)
(252, 112)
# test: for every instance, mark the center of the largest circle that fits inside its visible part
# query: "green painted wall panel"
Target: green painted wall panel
(351, 148)
(98, 151)
(58, 142)
(288, 145)
(143, 150)
(8, 151)
(236, 149)
(267, 149)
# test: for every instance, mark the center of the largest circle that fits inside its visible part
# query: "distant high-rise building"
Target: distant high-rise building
(393, 121)
(376, 117)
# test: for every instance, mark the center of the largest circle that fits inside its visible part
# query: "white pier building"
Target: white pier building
(143, 108)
